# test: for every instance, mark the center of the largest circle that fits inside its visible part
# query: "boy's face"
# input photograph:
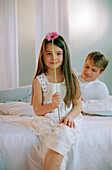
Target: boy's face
(90, 72)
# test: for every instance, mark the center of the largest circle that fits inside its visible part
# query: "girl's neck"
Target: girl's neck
(51, 78)
(51, 72)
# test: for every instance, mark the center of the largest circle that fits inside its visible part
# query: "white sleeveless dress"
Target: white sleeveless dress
(55, 136)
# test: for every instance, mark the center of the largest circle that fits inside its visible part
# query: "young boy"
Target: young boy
(91, 87)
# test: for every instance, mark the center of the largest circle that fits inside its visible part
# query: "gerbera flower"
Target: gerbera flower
(51, 36)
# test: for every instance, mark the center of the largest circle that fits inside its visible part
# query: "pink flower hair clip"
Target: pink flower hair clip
(51, 36)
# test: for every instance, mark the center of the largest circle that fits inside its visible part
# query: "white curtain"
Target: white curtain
(9, 71)
(51, 16)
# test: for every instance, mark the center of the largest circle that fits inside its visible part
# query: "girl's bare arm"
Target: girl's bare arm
(76, 110)
(39, 109)
(77, 107)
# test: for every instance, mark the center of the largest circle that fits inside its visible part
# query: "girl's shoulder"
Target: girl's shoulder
(43, 82)
(41, 78)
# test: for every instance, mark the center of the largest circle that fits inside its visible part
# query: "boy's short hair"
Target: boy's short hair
(99, 59)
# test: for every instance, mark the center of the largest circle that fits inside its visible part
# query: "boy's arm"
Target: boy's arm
(103, 92)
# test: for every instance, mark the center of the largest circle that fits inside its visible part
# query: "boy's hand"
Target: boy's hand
(68, 120)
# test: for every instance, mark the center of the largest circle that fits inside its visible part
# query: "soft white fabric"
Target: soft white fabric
(51, 16)
(20, 148)
(93, 148)
(100, 107)
(9, 69)
(55, 136)
(94, 90)
(18, 145)
(16, 109)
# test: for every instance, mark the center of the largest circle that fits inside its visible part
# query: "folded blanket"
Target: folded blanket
(97, 107)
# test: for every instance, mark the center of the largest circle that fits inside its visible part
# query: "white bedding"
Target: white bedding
(93, 150)
(20, 148)
(16, 109)
(98, 107)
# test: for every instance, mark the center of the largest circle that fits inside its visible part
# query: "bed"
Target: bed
(21, 149)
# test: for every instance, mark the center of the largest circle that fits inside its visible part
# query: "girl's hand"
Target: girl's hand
(82, 99)
(55, 99)
(68, 120)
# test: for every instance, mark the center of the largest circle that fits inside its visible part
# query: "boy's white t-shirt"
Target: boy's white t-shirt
(94, 90)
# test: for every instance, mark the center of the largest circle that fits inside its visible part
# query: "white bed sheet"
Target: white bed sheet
(19, 147)
(93, 149)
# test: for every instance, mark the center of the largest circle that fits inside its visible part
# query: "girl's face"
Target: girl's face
(49, 59)
(90, 72)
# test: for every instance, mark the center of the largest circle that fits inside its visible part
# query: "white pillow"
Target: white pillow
(16, 109)
(100, 107)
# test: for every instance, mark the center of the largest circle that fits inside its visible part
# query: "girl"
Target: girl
(57, 135)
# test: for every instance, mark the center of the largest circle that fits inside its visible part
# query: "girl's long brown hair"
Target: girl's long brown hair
(72, 84)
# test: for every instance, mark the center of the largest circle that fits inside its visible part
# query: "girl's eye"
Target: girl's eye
(48, 53)
(58, 53)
